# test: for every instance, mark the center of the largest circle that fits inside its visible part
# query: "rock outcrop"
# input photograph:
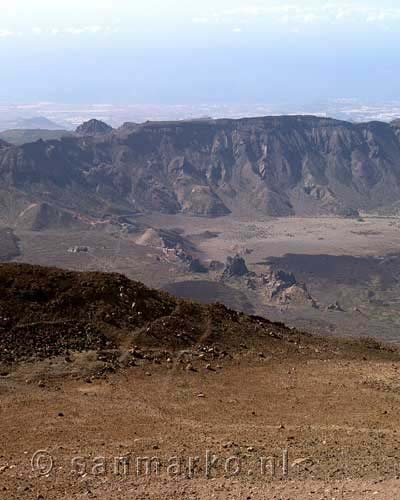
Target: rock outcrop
(9, 245)
(235, 268)
(281, 288)
(94, 127)
(196, 266)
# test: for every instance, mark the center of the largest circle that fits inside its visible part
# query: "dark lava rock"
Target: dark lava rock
(288, 279)
(216, 265)
(335, 307)
(235, 267)
(9, 244)
(196, 266)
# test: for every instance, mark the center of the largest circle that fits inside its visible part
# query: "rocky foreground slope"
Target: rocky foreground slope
(277, 166)
(47, 312)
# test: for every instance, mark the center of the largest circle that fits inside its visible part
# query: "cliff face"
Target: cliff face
(3, 144)
(272, 166)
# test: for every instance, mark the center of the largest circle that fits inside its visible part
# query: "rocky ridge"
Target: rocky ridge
(279, 166)
(277, 286)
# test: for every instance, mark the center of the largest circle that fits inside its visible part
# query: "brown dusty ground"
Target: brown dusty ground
(338, 419)
(292, 235)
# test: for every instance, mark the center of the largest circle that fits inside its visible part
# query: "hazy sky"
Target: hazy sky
(151, 20)
(209, 50)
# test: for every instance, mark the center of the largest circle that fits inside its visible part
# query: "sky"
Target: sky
(152, 20)
(187, 51)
